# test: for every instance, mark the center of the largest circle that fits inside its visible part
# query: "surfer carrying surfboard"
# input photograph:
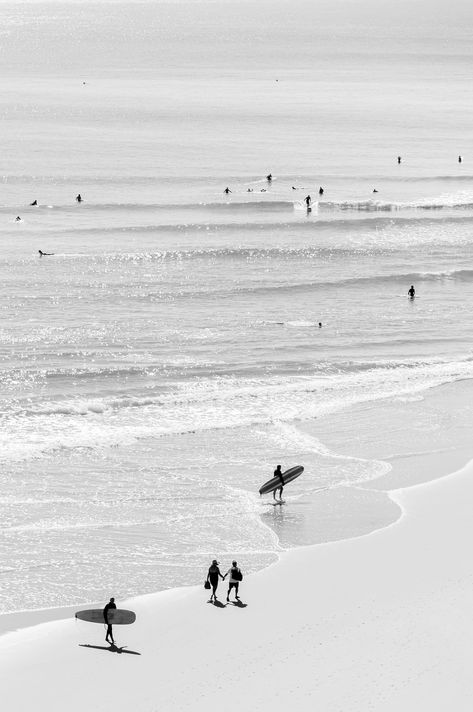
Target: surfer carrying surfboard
(278, 473)
(109, 607)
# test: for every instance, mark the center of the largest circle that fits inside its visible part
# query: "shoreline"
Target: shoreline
(380, 612)
(451, 463)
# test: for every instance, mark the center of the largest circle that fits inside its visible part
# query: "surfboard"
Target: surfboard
(287, 477)
(118, 616)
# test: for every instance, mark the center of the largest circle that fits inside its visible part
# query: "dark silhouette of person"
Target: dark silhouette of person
(308, 200)
(460, 159)
(79, 198)
(399, 159)
(294, 187)
(321, 191)
(320, 324)
(278, 473)
(227, 191)
(212, 576)
(411, 292)
(374, 190)
(250, 190)
(35, 202)
(234, 582)
(109, 607)
(17, 219)
(45, 254)
(269, 177)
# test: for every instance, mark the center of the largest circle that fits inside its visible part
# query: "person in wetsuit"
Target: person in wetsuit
(212, 576)
(227, 191)
(109, 607)
(45, 254)
(411, 292)
(269, 177)
(321, 191)
(79, 198)
(308, 201)
(278, 473)
(35, 202)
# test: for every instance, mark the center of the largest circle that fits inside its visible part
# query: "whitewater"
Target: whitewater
(159, 364)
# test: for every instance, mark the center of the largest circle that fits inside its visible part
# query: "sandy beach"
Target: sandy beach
(380, 622)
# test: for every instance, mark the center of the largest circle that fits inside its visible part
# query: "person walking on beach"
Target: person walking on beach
(212, 577)
(235, 577)
(411, 292)
(278, 473)
(109, 607)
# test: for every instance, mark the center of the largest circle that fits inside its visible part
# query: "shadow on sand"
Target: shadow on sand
(239, 604)
(110, 648)
(217, 604)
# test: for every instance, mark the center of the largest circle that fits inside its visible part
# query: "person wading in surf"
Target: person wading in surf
(109, 607)
(278, 473)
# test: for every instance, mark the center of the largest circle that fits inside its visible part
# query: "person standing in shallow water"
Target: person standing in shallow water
(411, 292)
(109, 607)
(278, 473)
(234, 582)
(308, 201)
(212, 577)
(79, 198)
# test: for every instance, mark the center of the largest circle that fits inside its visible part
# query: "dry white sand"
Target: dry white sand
(382, 622)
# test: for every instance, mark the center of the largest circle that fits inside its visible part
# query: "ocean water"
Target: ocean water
(167, 356)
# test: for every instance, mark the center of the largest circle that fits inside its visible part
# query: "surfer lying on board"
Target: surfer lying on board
(110, 606)
(278, 473)
(212, 576)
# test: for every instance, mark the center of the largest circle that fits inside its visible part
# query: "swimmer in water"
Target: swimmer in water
(269, 177)
(374, 190)
(17, 219)
(35, 202)
(227, 191)
(320, 324)
(460, 159)
(250, 190)
(308, 201)
(321, 191)
(45, 254)
(411, 292)
(79, 198)
(294, 188)
(399, 159)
